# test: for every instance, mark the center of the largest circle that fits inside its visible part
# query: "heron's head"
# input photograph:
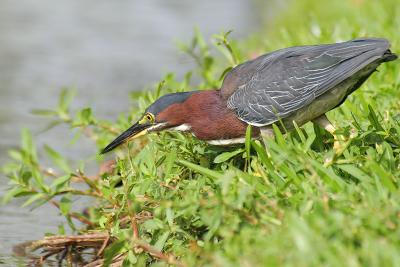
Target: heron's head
(162, 114)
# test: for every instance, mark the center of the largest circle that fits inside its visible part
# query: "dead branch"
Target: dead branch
(168, 258)
(105, 243)
(116, 262)
(53, 245)
(49, 243)
(74, 215)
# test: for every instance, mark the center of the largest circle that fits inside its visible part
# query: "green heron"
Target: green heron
(296, 84)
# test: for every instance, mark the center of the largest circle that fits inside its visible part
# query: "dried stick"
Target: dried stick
(73, 214)
(56, 242)
(168, 258)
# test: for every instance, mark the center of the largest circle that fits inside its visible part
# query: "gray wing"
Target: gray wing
(275, 85)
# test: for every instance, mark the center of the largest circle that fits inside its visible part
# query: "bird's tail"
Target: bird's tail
(389, 56)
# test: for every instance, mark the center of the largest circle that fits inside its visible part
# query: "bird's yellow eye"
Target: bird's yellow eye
(149, 117)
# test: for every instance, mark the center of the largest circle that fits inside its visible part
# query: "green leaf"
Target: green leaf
(262, 153)
(15, 154)
(278, 135)
(153, 224)
(207, 172)
(384, 177)
(102, 221)
(225, 181)
(131, 259)
(12, 193)
(213, 221)
(60, 182)
(373, 118)
(51, 125)
(112, 251)
(335, 181)
(65, 99)
(355, 172)
(34, 198)
(25, 193)
(169, 163)
(38, 178)
(228, 69)
(65, 205)
(299, 132)
(159, 88)
(248, 141)
(159, 245)
(25, 177)
(170, 216)
(84, 117)
(227, 155)
(28, 146)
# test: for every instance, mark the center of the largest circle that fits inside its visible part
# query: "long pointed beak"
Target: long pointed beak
(134, 131)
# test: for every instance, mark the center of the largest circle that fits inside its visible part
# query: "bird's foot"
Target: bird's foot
(267, 134)
(339, 144)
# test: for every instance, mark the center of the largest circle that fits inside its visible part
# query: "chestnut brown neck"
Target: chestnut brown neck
(207, 115)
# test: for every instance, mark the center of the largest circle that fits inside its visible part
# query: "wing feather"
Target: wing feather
(275, 85)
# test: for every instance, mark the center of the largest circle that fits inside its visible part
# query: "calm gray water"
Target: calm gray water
(103, 48)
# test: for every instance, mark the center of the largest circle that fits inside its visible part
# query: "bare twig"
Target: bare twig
(116, 262)
(105, 243)
(140, 218)
(90, 182)
(132, 217)
(57, 242)
(170, 259)
(74, 215)
(168, 186)
(79, 193)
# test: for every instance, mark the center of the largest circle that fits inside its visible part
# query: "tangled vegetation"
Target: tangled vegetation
(169, 199)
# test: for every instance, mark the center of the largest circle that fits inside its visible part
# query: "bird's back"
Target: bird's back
(276, 85)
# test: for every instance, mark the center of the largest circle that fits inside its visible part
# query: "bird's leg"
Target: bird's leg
(324, 122)
(267, 133)
(338, 147)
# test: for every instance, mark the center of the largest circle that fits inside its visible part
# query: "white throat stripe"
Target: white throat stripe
(155, 127)
(182, 128)
(226, 142)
